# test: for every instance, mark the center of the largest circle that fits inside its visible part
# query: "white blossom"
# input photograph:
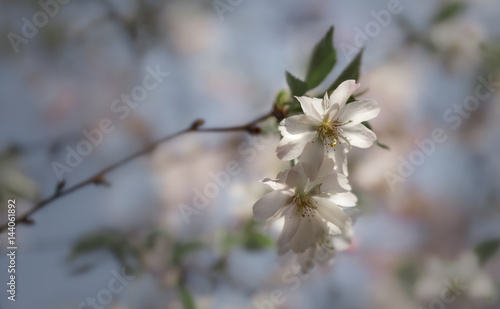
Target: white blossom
(309, 205)
(323, 251)
(328, 127)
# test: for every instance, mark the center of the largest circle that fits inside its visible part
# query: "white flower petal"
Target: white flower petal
(303, 238)
(282, 176)
(311, 107)
(332, 213)
(338, 155)
(333, 229)
(360, 136)
(269, 205)
(296, 177)
(343, 92)
(357, 112)
(344, 182)
(304, 259)
(290, 147)
(274, 184)
(333, 112)
(346, 199)
(289, 229)
(319, 227)
(326, 104)
(312, 158)
(333, 184)
(328, 166)
(298, 124)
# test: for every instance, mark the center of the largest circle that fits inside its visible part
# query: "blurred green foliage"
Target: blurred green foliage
(448, 11)
(248, 237)
(486, 250)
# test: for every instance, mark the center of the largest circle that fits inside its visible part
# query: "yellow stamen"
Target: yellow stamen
(305, 205)
(330, 132)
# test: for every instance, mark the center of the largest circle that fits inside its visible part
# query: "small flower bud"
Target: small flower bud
(198, 123)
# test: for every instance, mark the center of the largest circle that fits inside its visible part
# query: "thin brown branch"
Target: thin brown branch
(99, 179)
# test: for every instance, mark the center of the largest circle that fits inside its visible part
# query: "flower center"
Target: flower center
(304, 205)
(331, 133)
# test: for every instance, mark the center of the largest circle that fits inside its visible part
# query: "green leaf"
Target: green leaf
(486, 250)
(98, 241)
(407, 272)
(154, 236)
(186, 298)
(383, 146)
(322, 61)
(350, 72)
(257, 241)
(294, 108)
(297, 86)
(182, 250)
(247, 236)
(115, 242)
(253, 239)
(448, 11)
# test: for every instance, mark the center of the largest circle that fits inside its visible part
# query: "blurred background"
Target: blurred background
(170, 231)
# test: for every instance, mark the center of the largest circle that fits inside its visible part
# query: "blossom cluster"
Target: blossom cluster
(311, 195)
